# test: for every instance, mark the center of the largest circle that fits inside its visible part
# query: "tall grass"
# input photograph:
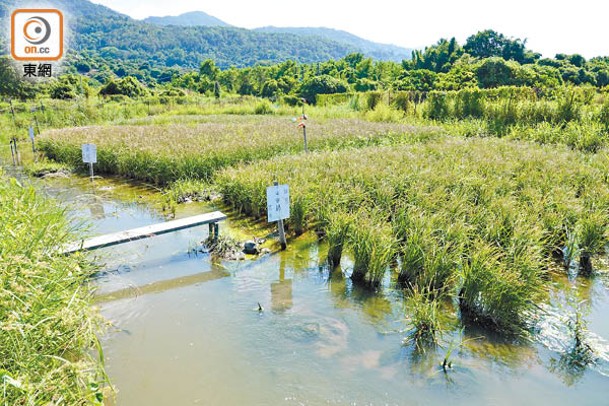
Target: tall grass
(166, 153)
(575, 116)
(479, 217)
(47, 326)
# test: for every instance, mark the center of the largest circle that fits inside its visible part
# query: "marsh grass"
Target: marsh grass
(479, 217)
(426, 318)
(45, 167)
(48, 327)
(165, 153)
(337, 226)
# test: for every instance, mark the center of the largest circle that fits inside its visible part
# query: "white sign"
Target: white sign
(278, 202)
(89, 153)
(32, 133)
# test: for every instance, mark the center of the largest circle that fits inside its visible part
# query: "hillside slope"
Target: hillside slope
(370, 48)
(193, 18)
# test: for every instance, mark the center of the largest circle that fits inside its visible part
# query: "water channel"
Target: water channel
(186, 330)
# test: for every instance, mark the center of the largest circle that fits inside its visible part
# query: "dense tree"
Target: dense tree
(208, 69)
(11, 83)
(128, 86)
(69, 87)
(489, 43)
(420, 79)
(438, 58)
(495, 72)
(323, 84)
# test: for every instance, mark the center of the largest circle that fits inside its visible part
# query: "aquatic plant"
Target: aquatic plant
(478, 216)
(337, 229)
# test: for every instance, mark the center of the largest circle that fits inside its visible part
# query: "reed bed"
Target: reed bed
(167, 153)
(475, 219)
(47, 325)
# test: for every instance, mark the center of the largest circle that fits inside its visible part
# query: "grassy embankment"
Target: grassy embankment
(47, 324)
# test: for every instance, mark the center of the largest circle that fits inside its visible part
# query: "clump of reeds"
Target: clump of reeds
(373, 249)
(49, 352)
(337, 229)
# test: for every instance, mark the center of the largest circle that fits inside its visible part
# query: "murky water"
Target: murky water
(188, 331)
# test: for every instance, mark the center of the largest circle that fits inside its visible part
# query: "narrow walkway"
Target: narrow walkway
(140, 233)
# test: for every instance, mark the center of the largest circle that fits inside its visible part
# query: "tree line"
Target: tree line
(487, 60)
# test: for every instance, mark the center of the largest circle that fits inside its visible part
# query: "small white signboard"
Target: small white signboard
(89, 153)
(278, 202)
(32, 133)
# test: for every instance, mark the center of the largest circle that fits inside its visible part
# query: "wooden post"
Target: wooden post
(214, 231)
(17, 155)
(12, 111)
(37, 124)
(304, 125)
(13, 152)
(282, 239)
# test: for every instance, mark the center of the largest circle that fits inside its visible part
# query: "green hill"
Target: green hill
(103, 43)
(372, 49)
(192, 19)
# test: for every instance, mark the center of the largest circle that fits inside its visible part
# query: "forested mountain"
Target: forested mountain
(373, 49)
(192, 19)
(104, 43)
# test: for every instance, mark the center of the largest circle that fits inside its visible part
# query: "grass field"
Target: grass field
(166, 153)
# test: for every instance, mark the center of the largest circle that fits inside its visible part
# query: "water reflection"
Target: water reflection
(281, 290)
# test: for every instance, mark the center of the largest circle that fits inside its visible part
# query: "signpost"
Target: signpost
(278, 207)
(31, 132)
(89, 155)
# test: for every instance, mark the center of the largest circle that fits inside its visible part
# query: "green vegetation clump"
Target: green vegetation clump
(478, 219)
(47, 324)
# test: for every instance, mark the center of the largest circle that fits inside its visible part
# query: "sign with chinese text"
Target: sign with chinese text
(89, 153)
(278, 202)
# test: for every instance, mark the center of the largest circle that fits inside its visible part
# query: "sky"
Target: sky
(549, 26)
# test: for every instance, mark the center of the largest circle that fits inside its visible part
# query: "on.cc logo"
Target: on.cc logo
(37, 30)
(37, 34)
